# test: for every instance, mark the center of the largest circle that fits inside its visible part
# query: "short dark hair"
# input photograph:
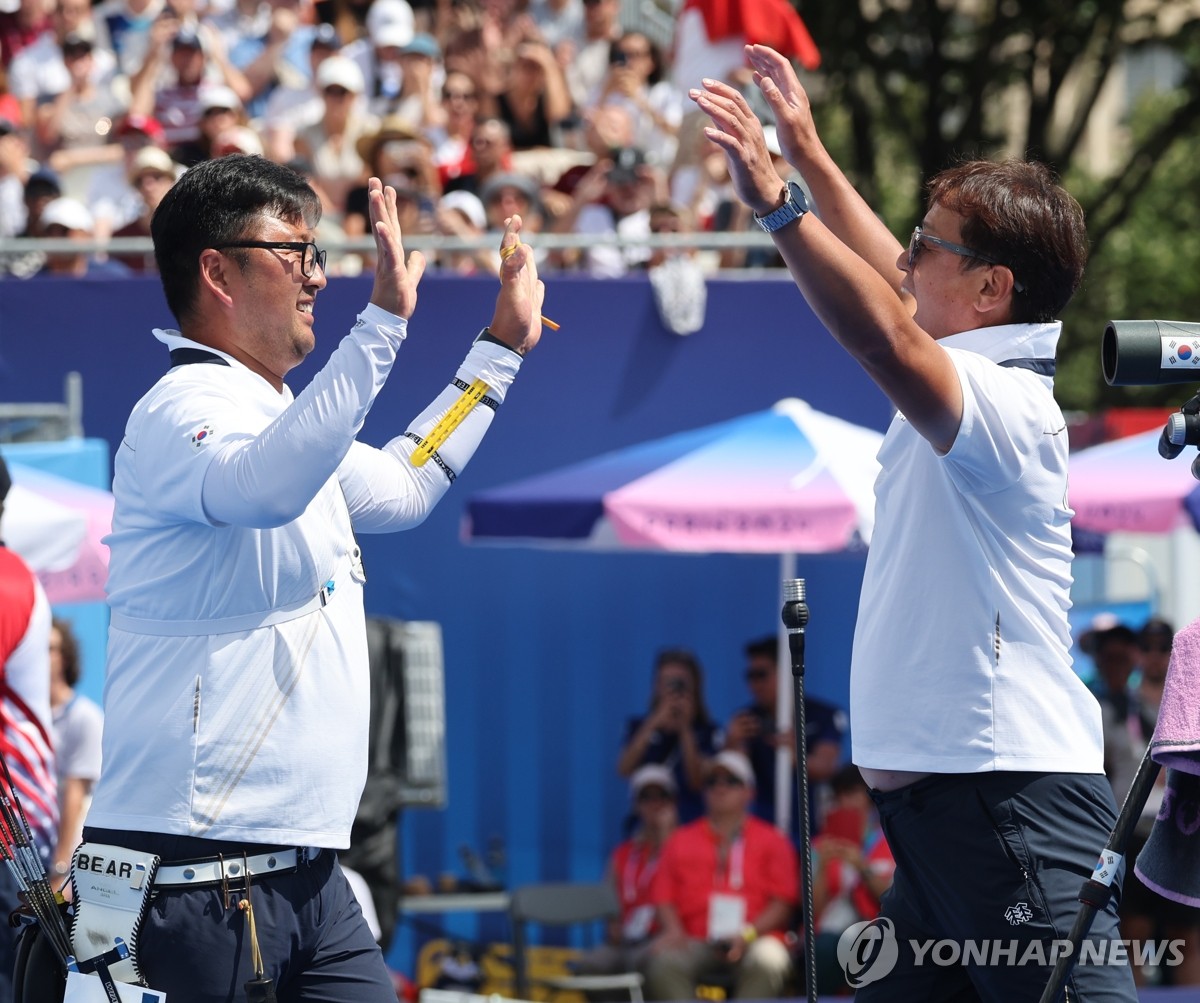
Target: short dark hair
(218, 201)
(1016, 213)
(763, 647)
(71, 667)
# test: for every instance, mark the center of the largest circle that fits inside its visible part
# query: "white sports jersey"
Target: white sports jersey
(236, 705)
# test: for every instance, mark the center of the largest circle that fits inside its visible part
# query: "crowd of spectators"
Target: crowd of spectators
(562, 110)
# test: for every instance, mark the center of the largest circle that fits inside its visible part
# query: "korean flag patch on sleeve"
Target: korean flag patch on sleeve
(202, 436)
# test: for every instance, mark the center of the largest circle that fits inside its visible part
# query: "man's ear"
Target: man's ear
(215, 275)
(995, 292)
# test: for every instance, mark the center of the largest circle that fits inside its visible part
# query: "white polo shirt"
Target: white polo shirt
(237, 699)
(961, 651)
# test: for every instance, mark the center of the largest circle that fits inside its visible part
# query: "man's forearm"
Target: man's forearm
(848, 216)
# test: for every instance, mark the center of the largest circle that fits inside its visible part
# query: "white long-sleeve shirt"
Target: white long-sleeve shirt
(236, 704)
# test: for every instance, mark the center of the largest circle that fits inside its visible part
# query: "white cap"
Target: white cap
(340, 71)
(239, 139)
(469, 205)
(152, 158)
(390, 23)
(68, 213)
(219, 96)
(651, 775)
(735, 763)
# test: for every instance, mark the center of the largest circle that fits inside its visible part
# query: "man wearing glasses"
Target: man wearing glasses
(982, 747)
(725, 889)
(237, 692)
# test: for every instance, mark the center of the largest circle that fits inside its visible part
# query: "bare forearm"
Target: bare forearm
(848, 216)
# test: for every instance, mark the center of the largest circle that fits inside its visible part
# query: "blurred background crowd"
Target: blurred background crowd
(571, 112)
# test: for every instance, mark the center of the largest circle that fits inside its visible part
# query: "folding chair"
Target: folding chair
(565, 904)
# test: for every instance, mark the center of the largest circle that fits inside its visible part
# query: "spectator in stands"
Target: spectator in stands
(24, 717)
(69, 218)
(473, 51)
(559, 22)
(461, 215)
(614, 197)
(635, 81)
(21, 27)
(753, 732)
(297, 104)
(452, 138)
(1146, 915)
(397, 155)
(666, 217)
(42, 188)
(10, 107)
(269, 42)
(14, 172)
(389, 29)
(505, 194)
(152, 175)
(677, 731)
(77, 725)
(182, 59)
(127, 23)
(852, 868)
(331, 145)
(416, 99)
(39, 73)
(631, 870)
(535, 100)
(588, 66)
(490, 153)
(605, 129)
(112, 201)
(725, 889)
(1113, 648)
(698, 178)
(220, 110)
(79, 116)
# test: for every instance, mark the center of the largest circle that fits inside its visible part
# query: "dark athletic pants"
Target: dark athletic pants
(315, 943)
(995, 857)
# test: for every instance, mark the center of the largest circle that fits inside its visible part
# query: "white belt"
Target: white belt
(214, 870)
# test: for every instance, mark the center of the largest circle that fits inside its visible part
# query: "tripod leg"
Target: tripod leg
(1097, 889)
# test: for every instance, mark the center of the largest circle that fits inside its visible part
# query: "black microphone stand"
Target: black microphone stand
(795, 619)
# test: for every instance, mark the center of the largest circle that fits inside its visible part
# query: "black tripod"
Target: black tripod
(1097, 889)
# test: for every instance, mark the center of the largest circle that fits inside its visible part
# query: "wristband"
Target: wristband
(749, 933)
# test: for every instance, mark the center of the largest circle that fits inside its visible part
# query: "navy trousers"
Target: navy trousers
(988, 872)
(314, 941)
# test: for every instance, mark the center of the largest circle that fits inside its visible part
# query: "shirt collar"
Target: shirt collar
(1008, 341)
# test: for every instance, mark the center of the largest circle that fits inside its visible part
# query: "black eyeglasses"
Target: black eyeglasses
(311, 256)
(723, 780)
(919, 238)
(1162, 648)
(756, 675)
(653, 794)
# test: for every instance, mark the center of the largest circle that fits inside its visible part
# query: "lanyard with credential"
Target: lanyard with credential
(736, 863)
(639, 870)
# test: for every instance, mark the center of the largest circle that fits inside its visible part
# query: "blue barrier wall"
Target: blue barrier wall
(547, 653)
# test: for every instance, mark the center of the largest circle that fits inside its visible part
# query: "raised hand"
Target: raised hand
(789, 102)
(396, 280)
(739, 133)
(517, 320)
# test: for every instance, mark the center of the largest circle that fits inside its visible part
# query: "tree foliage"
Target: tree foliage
(908, 87)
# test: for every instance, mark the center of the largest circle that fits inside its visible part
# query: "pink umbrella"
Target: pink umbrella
(786, 480)
(56, 525)
(1125, 486)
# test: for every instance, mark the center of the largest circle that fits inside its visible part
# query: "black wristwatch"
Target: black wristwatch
(794, 206)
